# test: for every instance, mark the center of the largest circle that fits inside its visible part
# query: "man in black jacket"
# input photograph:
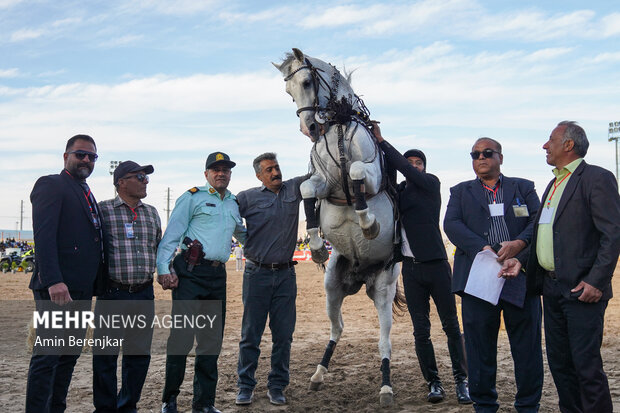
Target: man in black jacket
(571, 261)
(69, 247)
(483, 212)
(426, 271)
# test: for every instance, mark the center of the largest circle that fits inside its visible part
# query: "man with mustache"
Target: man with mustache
(69, 247)
(133, 230)
(571, 261)
(204, 217)
(271, 212)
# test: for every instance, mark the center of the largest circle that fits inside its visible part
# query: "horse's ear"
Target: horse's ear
(299, 55)
(277, 66)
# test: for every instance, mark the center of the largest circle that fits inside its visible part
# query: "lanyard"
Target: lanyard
(492, 190)
(135, 214)
(555, 186)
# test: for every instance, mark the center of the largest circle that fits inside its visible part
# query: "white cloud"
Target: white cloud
(171, 7)
(604, 58)
(26, 34)
(122, 41)
(611, 25)
(6, 4)
(69, 21)
(8, 73)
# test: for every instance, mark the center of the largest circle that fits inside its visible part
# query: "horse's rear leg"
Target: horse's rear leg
(335, 296)
(383, 296)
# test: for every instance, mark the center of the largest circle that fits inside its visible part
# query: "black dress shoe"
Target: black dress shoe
(276, 396)
(208, 409)
(436, 392)
(462, 393)
(170, 406)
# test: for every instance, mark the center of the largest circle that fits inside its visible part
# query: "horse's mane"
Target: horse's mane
(289, 57)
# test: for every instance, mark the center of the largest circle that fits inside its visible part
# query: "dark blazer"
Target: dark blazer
(586, 233)
(67, 244)
(419, 201)
(468, 220)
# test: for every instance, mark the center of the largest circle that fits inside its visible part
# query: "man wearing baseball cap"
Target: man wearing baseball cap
(133, 230)
(204, 219)
(426, 271)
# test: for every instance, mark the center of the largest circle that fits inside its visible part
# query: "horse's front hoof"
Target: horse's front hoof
(315, 386)
(372, 231)
(386, 397)
(320, 256)
(386, 400)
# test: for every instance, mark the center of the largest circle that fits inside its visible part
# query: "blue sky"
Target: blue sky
(167, 82)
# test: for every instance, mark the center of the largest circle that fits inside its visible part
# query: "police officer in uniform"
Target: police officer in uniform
(205, 216)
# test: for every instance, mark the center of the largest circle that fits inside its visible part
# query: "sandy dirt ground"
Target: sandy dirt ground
(354, 378)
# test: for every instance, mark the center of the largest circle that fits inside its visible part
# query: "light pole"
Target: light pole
(113, 166)
(614, 135)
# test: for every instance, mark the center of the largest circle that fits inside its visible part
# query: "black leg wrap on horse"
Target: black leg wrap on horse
(360, 195)
(329, 351)
(311, 218)
(385, 370)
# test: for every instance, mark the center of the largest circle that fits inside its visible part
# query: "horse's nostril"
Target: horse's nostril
(312, 127)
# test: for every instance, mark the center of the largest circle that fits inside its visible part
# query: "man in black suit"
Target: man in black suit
(495, 210)
(571, 261)
(426, 271)
(69, 247)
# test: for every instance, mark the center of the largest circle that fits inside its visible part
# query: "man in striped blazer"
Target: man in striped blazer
(497, 212)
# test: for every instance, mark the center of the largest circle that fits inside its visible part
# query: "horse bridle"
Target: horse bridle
(318, 79)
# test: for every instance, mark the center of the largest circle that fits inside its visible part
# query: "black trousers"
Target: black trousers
(136, 352)
(481, 323)
(573, 335)
(422, 281)
(49, 375)
(203, 283)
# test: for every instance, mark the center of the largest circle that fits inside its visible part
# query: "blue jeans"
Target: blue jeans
(134, 367)
(267, 293)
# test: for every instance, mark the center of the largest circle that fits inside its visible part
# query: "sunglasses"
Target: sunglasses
(81, 154)
(140, 177)
(487, 153)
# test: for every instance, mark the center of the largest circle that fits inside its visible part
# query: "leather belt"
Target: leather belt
(132, 288)
(275, 266)
(551, 274)
(212, 263)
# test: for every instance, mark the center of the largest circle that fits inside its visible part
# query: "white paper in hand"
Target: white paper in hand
(483, 281)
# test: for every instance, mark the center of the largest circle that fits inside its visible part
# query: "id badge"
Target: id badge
(496, 210)
(129, 230)
(520, 210)
(546, 215)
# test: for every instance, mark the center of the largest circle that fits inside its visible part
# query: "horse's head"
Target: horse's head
(307, 82)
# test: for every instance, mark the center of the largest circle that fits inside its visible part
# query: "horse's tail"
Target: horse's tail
(399, 305)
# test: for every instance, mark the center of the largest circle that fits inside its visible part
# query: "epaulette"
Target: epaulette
(193, 190)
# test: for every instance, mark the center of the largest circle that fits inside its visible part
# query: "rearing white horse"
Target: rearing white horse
(348, 188)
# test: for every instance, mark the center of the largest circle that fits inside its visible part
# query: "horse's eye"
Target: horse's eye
(293, 100)
(306, 84)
